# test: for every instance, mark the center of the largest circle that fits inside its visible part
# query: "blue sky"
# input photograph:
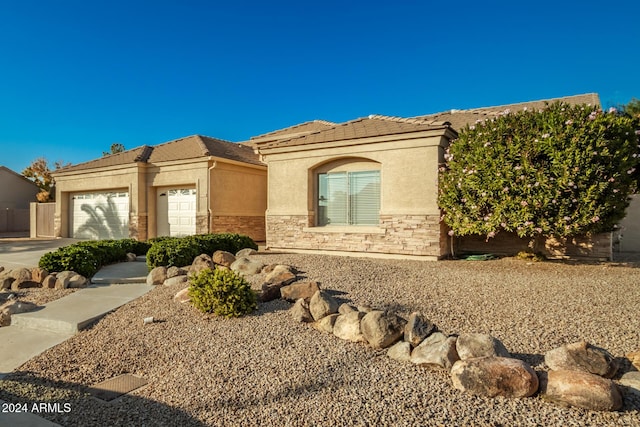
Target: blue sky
(77, 76)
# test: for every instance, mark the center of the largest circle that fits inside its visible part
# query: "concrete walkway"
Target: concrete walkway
(32, 333)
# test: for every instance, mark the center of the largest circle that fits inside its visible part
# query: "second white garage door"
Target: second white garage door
(177, 212)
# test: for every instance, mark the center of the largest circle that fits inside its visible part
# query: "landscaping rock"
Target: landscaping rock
(345, 308)
(280, 275)
(24, 284)
(322, 304)
(634, 358)
(182, 296)
(437, 350)
(23, 274)
(270, 291)
(295, 291)
(327, 323)
(382, 329)
(246, 252)
(347, 327)
(223, 258)
(38, 274)
(417, 329)
(176, 271)
(49, 281)
(175, 280)
(300, 311)
(400, 351)
(582, 356)
(581, 389)
(201, 262)
(365, 308)
(632, 381)
(245, 265)
(131, 257)
(5, 282)
(470, 346)
(157, 276)
(70, 279)
(268, 268)
(494, 376)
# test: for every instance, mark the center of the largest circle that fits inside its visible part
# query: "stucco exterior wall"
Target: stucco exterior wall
(409, 215)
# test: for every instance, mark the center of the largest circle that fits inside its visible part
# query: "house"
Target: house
(366, 186)
(16, 193)
(187, 186)
(369, 187)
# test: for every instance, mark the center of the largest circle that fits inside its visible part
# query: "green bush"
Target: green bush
(88, 256)
(173, 251)
(222, 292)
(561, 171)
(80, 259)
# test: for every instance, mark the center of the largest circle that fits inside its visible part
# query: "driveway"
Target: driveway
(26, 252)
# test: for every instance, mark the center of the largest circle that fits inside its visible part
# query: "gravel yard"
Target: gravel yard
(266, 369)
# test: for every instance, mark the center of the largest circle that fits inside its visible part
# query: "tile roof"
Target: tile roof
(290, 132)
(461, 118)
(366, 127)
(191, 147)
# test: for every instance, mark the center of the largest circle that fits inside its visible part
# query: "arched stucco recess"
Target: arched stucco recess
(341, 163)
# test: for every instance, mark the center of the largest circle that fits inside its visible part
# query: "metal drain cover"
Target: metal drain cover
(115, 387)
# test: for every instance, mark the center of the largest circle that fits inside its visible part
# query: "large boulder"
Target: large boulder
(70, 279)
(295, 291)
(182, 296)
(632, 381)
(581, 389)
(5, 282)
(400, 351)
(470, 346)
(244, 265)
(223, 258)
(176, 271)
(327, 323)
(246, 252)
(176, 280)
(494, 376)
(157, 276)
(322, 304)
(582, 356)
(382, 329)
(280, 275)
(417, 329)
(23, 284)
(437, 350)
(23, 274)
(300, 311)
(22, 279)
(201, 262)
(38, 274)
(347, 327)
(49, 281)
(270, 292)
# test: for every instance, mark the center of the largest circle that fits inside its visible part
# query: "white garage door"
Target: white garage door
(179, 206)
(99, 216)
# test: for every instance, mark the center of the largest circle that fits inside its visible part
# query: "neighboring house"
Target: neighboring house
(16, 193)
(188, 186)
(365, 186)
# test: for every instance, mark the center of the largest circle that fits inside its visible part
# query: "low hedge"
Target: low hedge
(179, 252)
(87, 257)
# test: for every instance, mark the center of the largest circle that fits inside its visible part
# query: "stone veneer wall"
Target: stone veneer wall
(202, 224)
(420, 235)
(138, 227)
(596, 246)
(252, 226)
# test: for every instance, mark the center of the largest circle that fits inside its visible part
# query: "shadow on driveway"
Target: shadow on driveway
(26, 252)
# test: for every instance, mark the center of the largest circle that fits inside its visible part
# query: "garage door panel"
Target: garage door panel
(181, 205)
(103, 215)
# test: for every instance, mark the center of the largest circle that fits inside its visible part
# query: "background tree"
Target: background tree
(40, 173)
(632, 108)
(562, 171)
(115, 148)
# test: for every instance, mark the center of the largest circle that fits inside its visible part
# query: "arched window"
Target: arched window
(348, 193)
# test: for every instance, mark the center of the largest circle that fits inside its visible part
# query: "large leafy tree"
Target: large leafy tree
(40, 173)
(561, 171)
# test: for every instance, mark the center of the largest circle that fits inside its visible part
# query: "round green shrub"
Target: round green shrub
(73, 258)
(222, 292)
